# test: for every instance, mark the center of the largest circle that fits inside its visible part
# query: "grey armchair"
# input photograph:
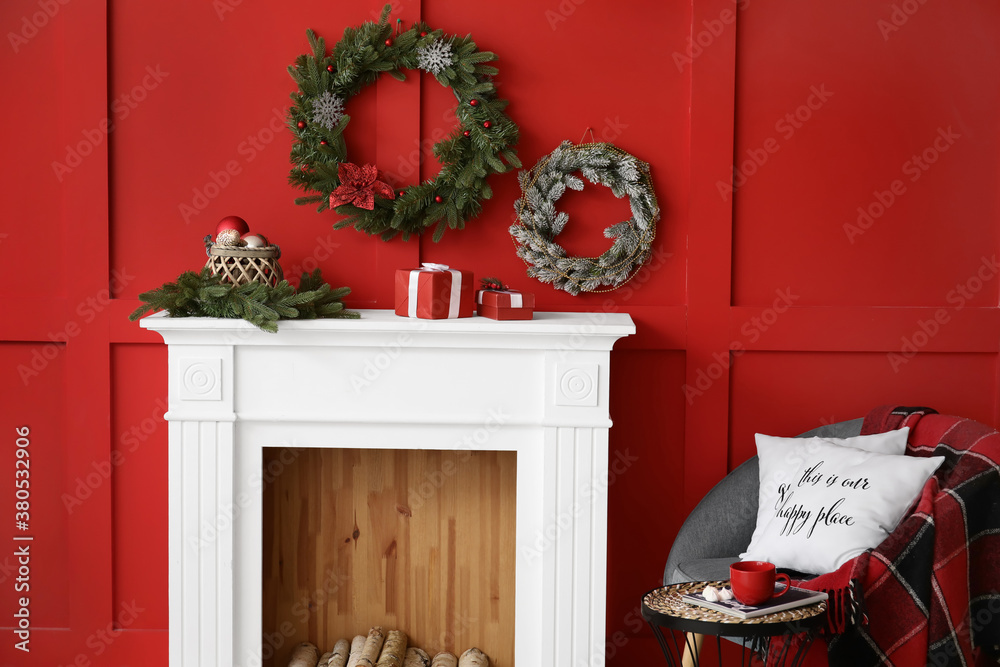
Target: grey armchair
(721, 525)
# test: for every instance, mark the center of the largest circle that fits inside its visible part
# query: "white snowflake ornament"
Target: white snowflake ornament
(328, 109)
(434, 57)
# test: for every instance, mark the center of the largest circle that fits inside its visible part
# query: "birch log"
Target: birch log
(445, 659)
(357, 646)
(341, 652)
(324, 660)
(416, 657)
(394, 650)
(373, 646)
(474, 658)
(304, 655)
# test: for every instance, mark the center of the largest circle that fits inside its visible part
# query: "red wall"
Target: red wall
(773, 304)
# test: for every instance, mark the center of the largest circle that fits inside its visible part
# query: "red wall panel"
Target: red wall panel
(787, 393)
(139, 500)
(36, 492)
(41, 141)
(833, 111)
(642, 112)
(763, 310)
(646, 454)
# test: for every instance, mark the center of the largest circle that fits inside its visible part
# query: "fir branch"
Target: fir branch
(204, 295)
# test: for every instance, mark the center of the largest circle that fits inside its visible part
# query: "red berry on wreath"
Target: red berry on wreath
(388, 42)
(423, 34)
(438, 198)
(487, 124)
(301, 125)
(329, 68)
(466, 133)
(473, 103)
(322, 142)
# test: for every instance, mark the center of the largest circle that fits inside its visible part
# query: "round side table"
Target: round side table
(669, 616)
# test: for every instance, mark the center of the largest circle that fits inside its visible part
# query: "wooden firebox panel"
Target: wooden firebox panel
(416, 540)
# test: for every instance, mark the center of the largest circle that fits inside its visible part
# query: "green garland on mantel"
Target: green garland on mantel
(482, 144)
(200, 294)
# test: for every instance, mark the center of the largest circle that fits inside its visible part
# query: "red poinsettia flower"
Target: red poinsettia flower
(358, 186)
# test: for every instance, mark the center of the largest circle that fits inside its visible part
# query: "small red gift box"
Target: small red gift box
(434, 292)
(505, 304)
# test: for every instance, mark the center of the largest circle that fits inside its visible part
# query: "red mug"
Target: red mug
(753, 581)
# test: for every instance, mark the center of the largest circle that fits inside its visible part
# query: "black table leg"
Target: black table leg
(673, 650)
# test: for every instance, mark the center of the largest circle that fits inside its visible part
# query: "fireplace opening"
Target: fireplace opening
(421, 541)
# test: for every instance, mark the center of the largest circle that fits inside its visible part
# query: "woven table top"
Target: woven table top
(667, 600)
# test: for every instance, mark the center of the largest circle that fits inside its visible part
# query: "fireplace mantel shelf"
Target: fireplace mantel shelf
(539, 388)
(594, 330)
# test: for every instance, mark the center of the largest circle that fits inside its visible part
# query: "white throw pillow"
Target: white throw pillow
(823, 504)
(775, 471)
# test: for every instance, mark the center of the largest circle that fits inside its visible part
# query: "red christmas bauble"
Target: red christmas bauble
(301, 125)
(466, 133)
(388, 42)
(487, 123)
(438, 198)
(423, 34)
(473, 103)
(322, 142)
(232, 222)
(329, 68)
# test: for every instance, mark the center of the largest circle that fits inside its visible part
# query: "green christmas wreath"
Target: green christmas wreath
(483, 144)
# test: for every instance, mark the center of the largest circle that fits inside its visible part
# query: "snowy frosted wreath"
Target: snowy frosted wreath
(538, 222)
(483, 144)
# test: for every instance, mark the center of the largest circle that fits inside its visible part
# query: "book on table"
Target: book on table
(796, 597)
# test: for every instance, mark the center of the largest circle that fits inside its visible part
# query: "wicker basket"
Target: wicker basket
(245, 265)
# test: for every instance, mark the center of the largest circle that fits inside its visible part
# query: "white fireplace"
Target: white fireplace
(539, 388)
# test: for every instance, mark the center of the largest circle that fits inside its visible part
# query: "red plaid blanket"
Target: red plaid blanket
(930, 593)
